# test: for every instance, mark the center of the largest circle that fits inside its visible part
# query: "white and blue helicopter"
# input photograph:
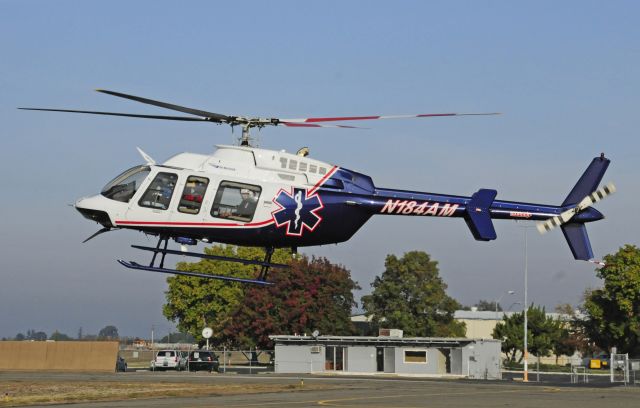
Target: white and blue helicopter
(243, 195)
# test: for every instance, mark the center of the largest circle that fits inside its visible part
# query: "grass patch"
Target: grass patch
(21, 393)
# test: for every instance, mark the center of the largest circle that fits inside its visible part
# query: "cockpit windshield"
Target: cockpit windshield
(123, 187)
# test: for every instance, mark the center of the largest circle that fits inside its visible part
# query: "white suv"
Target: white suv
(167, 359)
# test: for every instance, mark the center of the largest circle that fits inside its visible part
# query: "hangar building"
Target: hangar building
(427, 356)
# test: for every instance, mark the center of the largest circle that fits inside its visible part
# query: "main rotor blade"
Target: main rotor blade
(211, 116)
(345, 118)
(293, 124)
(130, 115)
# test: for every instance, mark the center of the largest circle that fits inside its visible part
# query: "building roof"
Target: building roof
(370, 340)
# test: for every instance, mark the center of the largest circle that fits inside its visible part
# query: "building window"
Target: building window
(235, 201)
(193, 194)
(159, 193)
(415, 356)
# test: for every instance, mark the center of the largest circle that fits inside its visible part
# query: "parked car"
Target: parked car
(121, 364)
(201, 360)
(167, 360)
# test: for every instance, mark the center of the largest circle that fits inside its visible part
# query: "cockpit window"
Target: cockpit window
(159, 193)
(123, 187)
(236, 201)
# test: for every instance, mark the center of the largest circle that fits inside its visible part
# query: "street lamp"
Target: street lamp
(526, 306)
(508, 292)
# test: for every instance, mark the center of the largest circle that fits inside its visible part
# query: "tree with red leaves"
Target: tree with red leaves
(313, 295)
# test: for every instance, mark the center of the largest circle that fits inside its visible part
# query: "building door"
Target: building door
(335, 357)
(380, 359)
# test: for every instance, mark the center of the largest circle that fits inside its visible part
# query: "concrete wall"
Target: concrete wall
(58, 356)
(481, 360)
(361, 359)
(298, 359)
(479, 329)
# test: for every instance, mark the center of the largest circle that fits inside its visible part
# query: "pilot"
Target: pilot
(247, 206)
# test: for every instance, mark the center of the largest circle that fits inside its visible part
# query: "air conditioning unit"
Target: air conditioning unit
(316, 349)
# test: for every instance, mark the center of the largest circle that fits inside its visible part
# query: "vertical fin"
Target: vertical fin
(578, 240)
(589, 181)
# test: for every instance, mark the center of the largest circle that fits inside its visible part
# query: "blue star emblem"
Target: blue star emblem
(298, 210)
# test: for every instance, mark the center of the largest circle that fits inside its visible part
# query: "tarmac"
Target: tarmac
(364, 391)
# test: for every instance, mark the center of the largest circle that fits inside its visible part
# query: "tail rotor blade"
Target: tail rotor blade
(586, 202)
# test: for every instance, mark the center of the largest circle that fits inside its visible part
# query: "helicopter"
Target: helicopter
(248, 196)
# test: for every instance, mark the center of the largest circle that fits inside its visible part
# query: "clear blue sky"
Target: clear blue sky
(565, 75)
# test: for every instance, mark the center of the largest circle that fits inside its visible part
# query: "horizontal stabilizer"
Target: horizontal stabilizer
(478, 217)
(578, 240)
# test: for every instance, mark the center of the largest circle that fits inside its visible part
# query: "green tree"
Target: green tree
(313, 295)
(57, 336)
(488, 305)
(411, 296)
(108, 332)
(511, 332)
(613, 311)
(178, 338)
(543, 333)
(195, 303)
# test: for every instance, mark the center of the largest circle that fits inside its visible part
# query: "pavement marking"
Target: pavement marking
(332, 402)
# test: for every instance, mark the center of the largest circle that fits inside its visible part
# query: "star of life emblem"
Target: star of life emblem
(298, 211)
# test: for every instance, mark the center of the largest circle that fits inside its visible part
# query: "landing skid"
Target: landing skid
(135, 265)
(161, 248)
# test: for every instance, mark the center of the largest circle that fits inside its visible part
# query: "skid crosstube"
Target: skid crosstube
(135, 265)
(213, 257)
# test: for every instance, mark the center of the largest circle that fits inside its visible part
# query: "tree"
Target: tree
(178, 338)
(34, 335)
(108, 332)
(613, 311)
(411, 296)
(543, 333)
(488, 305)
(196, 303)
(313, 295)
(20, 337)
(57, 336)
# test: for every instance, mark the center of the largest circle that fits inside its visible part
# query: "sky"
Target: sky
(564, 75)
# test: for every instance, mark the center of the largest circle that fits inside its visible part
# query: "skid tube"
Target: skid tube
(161, 248)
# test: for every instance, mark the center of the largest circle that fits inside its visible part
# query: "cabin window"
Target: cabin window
(283, 162)
(236, 201)
(415, 356)
(193, 194)
(313, 168)
(303, 166)
(159, 193)
(322, 170)
(293, 164)
(123, 187)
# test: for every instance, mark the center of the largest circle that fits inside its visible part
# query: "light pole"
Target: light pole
(526, 306)
(508, 292)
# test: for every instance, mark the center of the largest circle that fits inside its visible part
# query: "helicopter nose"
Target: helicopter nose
(92, 208)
